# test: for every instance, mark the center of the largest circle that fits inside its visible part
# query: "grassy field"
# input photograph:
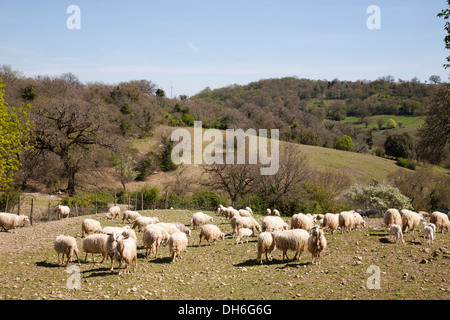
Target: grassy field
(413, 270)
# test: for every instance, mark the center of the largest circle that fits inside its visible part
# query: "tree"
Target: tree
(344, 143)
(391, 124)
(445, 14)
(380, 122)
(123, 163)
(160, 93)
(399, 145)
(435, 79)
(15, 126)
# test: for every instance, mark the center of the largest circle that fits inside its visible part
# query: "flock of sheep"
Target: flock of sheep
(306, 232)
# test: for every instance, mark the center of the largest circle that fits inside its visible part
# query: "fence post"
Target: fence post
(48, 210)
(166, 202)
(7, 200)
(135, 203)
(18, 208)
(96, 203)
(31, 211)
(76, 210)
(142, 200)
(129, 199)
(115, 198)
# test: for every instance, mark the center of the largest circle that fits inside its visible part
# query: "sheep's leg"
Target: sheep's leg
(85, 257)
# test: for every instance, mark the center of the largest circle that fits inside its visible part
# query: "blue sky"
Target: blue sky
(189, 45)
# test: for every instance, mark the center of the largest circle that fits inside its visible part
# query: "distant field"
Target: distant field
(407, 121)
(413, 270)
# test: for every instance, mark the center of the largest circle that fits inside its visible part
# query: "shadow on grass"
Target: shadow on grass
(385, 240)
(164, 260)
(47, 264)
(285, 264)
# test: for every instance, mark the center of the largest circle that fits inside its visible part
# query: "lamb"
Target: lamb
(210, 232)
(245, 222)
(396, 231)
(316, 243)
(432, 225)
(95, 243)
(243, 232)
(11, 221)
(154, 236)
(130, 215)
(294, 239)
(170, 227)
(302, 221)
(441, 220)
(63, 211)
(66, 245)
(200, 218)
(392, 216)
(126, 250)
(266, 245)
(428, 233)
(177, 244)
(330, 221)
(273, 223)
(142, 222)
(347, 221)
(89, 226)
(113, 212)
(410, 219)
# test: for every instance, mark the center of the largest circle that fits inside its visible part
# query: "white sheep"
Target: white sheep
(410, 219)
(268, 211)
(63, 211)
(294, 239)
(177, 245)
(392, 216)
(441, 220)
(130, 215)
(11, 221)
(330, 222)
(210, 232)
(231, 213)
(273, 223)
(266, 245)
(428, 233)
(249, 210)
(243, 232)
(358, 220)
(154, 236)
(90, 226)
(66, 245)
(302, 221)
(396, 231)
(316, 243)
(113, 212)
(170, 227)
(347, 221)
(432, 225)
(110, 229)
(126, 250)
(244, 222)
(199, 219)
(142, 222)
(182, 227)
(276, 212)
(245, 213)
(95, 243)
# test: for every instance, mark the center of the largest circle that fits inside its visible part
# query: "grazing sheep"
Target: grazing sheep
(273, 223)
(330, 221)
(210, 232)
(11, 221)
(95, 243)
(126, 250)
(177, 245)
(90, 226)
(441, 220)
(119, 230)
(231, 213)
(249, 210)
(63, 211)
(316, 243)
(245, 222)
(243, 232)
(294, 239)
(347, 221)
(170, 227)
(128, 232)
(66, 245)
(154, 236)
(302, 221)
(317, 218)
(130, 215)
(182, 227)
(142, 222)
(113, 212)
(428, 233)
(396, 231)
(245, 213)
(199, 219)
(432, 225)
(359, 220)
(410, 219)
(266, 245)
(268, 212)
(392, 216)
(276, 212)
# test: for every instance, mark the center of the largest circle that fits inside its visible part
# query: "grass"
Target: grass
(29, 270)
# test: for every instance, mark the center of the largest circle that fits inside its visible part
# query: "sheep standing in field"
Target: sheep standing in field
(276, 212)
(130, 215)
(177, 245)
(210, 232)
(126, 250)
(245, 213)
(431, 225)
(66, 245)
(316, 243)
(358, 220)
(273, 223)
(392, 216)
(113, 212)
(396, 231)
(199, 219)
(63, 211)
(90, 226)
(410, 220)
(266, 245)
(249, 210)
(294, 239)
(302, 221)
(231, 213)
(142, 222)
(154, 236)
(95, 243)
(243, 232)
(182, 227)
(347, 221)
(11, 221)
(330, 221)
(268, 211)
(441, 220)
(245, 222)
(170, 227)
(119, 230)
(428, 233)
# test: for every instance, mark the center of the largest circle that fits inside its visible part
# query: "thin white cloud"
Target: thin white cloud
(193, 46)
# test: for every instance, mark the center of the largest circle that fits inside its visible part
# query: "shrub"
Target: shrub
(207, 199)
(399, 145)
(344, 143)
(405, 163)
